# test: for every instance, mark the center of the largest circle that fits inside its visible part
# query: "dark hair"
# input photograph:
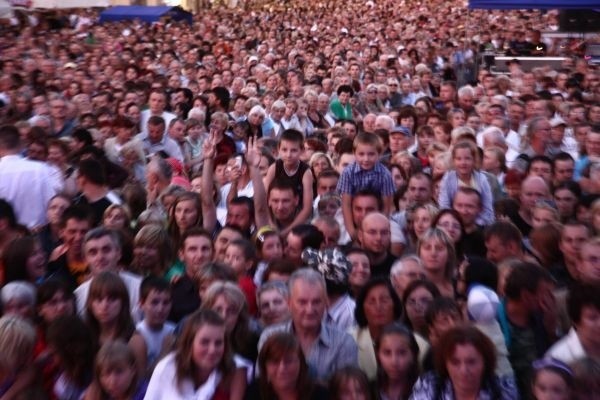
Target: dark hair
(411, 287)
(48, 289)
(184, 362)
(441, 306)
(151, 283)
(92, 170)
(156, 120)
(359, 312)
(524, 276)
(345, 89)
(9, 137)
(7, 211)
(74, 343)
(276, 347)
(505, 231)
(282, 266)
(14, 258)
(462, 335)
(395, 328)
(84, 136)
(343, 376)
(571, 186)
(283, 184)
(291, 135)
(480, 271)
(582, 295)
(369, 193)
(310, 235)
(540, 158)
(192, 232)
(111, 285)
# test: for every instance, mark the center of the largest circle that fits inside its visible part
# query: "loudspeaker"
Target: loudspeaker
(579, 20)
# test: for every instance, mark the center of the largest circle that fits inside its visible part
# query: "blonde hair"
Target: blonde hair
(17, 339)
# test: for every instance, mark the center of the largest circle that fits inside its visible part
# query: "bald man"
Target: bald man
(533, 189)
(374, 236)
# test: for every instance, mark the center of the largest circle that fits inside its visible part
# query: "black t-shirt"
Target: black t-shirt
(520, 223)
(186, 298)
(384, 267)
(473, 244)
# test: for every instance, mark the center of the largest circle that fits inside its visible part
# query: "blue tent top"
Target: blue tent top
(144, 13)
(533, 4)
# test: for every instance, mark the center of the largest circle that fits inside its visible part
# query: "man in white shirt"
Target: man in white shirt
(156, 139)
(157, 102)
(102, 251)
(27, 185)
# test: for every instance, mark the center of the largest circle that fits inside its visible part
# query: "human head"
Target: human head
(419, 294)
(588, 267)
(18, 298)
(441, 315)
(282, 366)
(54, 299)
(502, 240)
(349, 383)
(301, 237)
(17, 338)
(283, 200)
(24, 260)
(152, 250)
(155, 300)
(108, 302)
(272, 302)
(436, 250)
(102, 250)
(307, 298)
(377, 304)
(115, 371)
(528, 284)
(552, 379)
(196, 250)
(228, 300)
(374, 233)
(458, 345)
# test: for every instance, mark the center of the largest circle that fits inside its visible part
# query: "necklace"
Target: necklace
(287, 172)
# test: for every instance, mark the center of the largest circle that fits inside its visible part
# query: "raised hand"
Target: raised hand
(252, 153)
(209, 147)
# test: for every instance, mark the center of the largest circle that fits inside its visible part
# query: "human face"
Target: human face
(156, 132)
(563, 170)
(58, 305)
(434, 254)
(465, 368)
(283, 373)
(106, 309)
(289, 152)
(72, 234)
(411, 271)
(234, 257)
(571, 240)
(326, 185)
(531, 192)
(115, 219)
(319, 165)
(352, 390)
(146, 258)
(293, 248)
(451, 226)
(222, 241)
(549, 385)
(102, 254)
(156, 307)
(157, 103)
(196, 251)
(361, 269)
(272, 248)
(588, 327)
(421, 221)
(366, 156)
(375, 234)
(227, 310)
(307, 304)
(186, 214)
(273, 307)
(589, 266)
(467, 205)
(541, 217)
(36, 262)
(208, 347)
(395, 356)
(419, 190)
(379, 306)
(345, 160)
(464, 163)
(541, 169)
(566, 201)
(283, 204)
(117, 380)
(497, 250)
(361, 206)
(238, 215)
(416, 304)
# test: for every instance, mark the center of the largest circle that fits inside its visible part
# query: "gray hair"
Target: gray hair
(197, 113)
(466, 90)
(278, 286)
(101, 232)
(400, 264)
(495, 135)
(161, 168)
(309, 276)
(20, 290)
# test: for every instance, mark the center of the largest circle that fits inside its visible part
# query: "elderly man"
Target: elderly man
(325, 348)
(404, 271)
(533, 189)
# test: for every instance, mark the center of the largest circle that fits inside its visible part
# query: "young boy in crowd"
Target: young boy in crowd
(241, 256)
(155, 303)
(366, 173)
(290, 168)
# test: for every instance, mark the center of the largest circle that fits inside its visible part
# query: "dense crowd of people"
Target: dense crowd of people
(298, 201)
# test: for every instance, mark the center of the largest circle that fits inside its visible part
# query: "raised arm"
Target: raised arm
(209, 209)
(261, 208)
(307, 202)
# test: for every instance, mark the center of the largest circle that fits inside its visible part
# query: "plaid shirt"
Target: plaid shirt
(378, 180)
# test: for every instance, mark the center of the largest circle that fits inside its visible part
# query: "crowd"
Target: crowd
(296, 200)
